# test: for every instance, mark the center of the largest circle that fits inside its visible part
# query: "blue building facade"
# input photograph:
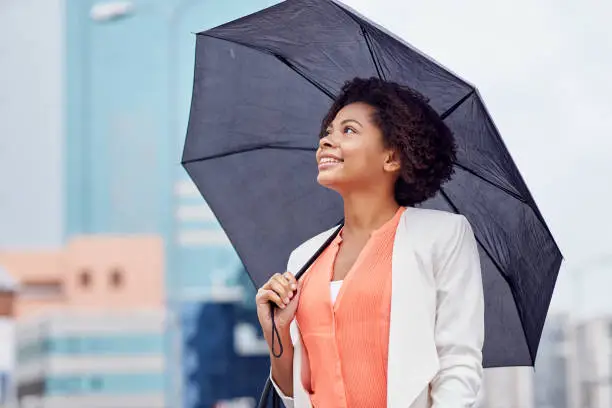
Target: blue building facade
(216, 366)
(128, 90)
(100, 359)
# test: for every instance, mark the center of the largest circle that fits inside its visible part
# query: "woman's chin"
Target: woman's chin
(328, 180)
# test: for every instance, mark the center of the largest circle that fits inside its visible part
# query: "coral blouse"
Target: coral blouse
(346, 340)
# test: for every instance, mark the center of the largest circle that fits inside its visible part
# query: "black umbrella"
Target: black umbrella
(262, 85)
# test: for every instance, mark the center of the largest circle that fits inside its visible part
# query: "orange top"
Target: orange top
(346, 344)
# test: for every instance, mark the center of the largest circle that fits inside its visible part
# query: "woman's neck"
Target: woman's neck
(364, 213)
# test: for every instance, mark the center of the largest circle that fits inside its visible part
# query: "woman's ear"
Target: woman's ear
(392, 162)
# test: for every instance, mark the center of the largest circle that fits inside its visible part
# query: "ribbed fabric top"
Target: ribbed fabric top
(346, 343)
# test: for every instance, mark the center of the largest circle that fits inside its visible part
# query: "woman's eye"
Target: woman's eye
(349, 130)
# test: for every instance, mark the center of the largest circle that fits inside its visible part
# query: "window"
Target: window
(116, 278)
(41, 289)
(85, 278)
(126, 344)
(96, 383)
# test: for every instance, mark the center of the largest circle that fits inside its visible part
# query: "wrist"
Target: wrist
(283, 328)
(283, 333)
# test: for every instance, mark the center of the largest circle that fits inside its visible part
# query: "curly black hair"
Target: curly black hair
(411, 127)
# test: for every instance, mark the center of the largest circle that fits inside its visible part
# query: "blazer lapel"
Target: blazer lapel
(413, 360)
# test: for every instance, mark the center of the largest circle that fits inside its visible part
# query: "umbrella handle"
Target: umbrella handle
(322, 248)
(275, 333)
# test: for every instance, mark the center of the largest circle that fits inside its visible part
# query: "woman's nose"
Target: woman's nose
(327, 141)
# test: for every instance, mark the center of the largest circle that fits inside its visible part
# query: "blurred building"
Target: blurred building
(574, 365)
(553, 373)
(129, 73)
(222, 340)
(591, 361)
(130, 66)
(31, 123)
(548, 385)
(91, 323)
(8, 288)
(508, 387)
(100, 102)
(90, 273)
(91, 359)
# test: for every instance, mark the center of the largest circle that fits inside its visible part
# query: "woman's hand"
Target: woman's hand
(284, 291)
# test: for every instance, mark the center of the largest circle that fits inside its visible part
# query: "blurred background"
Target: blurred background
(119, 289)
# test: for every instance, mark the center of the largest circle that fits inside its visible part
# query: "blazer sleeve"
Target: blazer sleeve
(287, 401)
(298, 390)
(459, 324)
(300, 395)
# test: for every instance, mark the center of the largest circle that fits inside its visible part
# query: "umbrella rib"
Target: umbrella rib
(250, 149)
(367, 39)
(456, 211)
(529, 203)
(278, 57)
(501, 272)
(297, 71)
(456, 105)
(486, 180)
(512, 194)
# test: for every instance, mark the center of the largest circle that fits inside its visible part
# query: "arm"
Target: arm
(281, 372)
(300, 368)
(459, 330)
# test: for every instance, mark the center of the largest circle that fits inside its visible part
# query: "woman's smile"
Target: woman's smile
(328, 161)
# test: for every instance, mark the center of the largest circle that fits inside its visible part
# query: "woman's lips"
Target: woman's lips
(326, 163)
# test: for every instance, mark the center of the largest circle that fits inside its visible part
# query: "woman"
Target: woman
(391, 314)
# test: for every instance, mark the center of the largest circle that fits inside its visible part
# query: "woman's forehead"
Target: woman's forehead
(357, 111)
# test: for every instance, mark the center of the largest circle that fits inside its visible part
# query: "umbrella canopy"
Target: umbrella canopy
(262, 85)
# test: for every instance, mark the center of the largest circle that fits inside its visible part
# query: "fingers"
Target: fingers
(267, 295)
(284, 286)
(291, 279)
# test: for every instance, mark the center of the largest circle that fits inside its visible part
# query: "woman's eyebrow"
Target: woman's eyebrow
(351, 120)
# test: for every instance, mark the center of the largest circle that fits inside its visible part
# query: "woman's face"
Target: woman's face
(352, 154)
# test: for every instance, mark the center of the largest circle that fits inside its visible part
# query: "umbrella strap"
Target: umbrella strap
(275, 333)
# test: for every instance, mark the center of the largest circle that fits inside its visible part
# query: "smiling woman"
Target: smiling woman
(362, 305)
(374, 121)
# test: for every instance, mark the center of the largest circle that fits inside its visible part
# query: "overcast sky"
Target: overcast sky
(543, 68)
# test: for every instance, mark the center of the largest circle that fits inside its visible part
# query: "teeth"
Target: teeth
(329, 160)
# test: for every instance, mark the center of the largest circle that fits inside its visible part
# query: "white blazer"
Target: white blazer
(436, 328)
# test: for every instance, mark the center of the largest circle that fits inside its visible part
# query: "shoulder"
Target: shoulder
(445, 237)
(435, 231)
(434, 223)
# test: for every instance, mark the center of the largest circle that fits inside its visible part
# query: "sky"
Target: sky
(542, 68)
(31, 128)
